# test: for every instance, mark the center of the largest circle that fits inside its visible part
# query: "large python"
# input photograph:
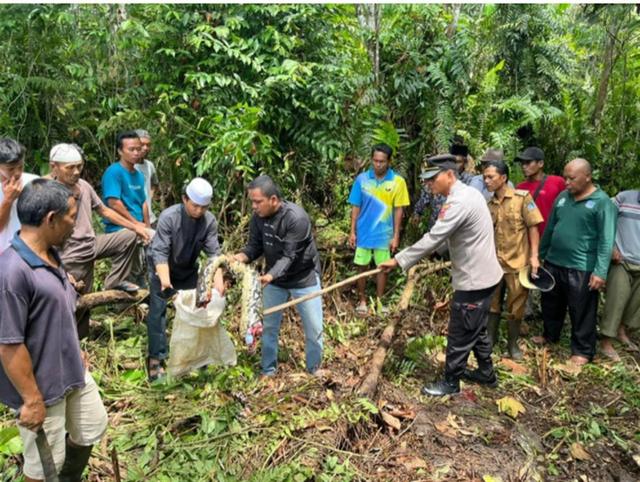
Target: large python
(251, 298)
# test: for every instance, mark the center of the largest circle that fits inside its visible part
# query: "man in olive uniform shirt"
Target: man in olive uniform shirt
(515, 220)
(576, 248)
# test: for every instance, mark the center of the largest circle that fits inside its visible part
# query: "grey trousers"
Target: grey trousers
(121, 248)
(622, 303)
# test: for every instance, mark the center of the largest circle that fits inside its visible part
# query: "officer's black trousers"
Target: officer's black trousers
(468, 332)
(572, 291)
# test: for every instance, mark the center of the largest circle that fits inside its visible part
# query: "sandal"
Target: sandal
(155, 369)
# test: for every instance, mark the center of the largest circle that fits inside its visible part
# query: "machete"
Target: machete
(46, 457)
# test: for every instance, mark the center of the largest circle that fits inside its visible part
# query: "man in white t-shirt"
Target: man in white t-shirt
(148, 170)
(13, 179)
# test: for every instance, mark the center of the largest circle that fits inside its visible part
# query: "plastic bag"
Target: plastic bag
(197, 338)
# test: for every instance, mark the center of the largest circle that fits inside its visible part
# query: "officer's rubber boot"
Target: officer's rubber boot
(492, 328)
(75, 460)
(512, 340)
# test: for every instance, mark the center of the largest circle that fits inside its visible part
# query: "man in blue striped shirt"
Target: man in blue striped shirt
(622, 307)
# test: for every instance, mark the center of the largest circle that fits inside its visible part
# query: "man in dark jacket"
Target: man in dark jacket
(281, 231)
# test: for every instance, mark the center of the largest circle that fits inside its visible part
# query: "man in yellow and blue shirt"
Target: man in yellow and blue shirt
(378, 197)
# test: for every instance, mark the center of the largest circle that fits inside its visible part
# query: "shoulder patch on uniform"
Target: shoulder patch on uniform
(521, 192)
(531, 206)
(443, 210)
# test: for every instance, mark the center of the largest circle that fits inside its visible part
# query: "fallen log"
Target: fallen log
(107, 297)
(370, 382)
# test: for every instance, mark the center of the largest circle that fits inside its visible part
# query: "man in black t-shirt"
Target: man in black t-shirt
(281, 231)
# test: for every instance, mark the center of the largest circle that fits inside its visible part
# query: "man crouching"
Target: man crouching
(43, 372)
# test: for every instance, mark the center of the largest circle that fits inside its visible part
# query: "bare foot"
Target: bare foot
(539, 340)
(578, 360)
(622, 336)
(606, 348)
(362, 310)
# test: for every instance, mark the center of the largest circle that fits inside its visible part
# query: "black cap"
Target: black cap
(530, 154)
(441, 162)
(544, 281)
(459, 150)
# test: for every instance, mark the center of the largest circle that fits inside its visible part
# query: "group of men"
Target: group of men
(564, 229)
(554, 233)
(48, 252)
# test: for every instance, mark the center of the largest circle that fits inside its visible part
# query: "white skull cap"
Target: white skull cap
(65, 154)
(199, 191)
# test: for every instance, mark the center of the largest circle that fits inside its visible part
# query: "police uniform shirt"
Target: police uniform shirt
(465, 223)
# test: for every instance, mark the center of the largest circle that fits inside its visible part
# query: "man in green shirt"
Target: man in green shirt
(576, 248)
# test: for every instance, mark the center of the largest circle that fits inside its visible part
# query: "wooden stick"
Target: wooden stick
(370, 383)
(116, 465)
(321, 292)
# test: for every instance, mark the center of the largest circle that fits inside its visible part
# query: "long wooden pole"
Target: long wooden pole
(352, 279)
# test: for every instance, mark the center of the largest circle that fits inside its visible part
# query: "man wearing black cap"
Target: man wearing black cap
(460, 154)
(544, 188)
(464, 223)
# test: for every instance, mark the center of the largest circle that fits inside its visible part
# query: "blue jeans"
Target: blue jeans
(311, 313)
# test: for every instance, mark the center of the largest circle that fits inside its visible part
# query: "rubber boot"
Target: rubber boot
(493, 324)
(512, 340)
(75, 460)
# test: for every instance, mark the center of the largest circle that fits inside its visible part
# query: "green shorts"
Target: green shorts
(364, 255)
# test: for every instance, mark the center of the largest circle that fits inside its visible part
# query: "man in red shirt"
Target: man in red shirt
(544, 188)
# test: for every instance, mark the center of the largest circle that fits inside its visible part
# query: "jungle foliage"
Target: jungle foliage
(301, 91)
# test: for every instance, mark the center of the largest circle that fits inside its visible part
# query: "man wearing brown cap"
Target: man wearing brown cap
(83, 247)
(464, 223)
(478, 181)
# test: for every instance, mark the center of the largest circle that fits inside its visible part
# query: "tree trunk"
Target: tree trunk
(369, 18)
(453, 26)
(108, 297)
(608, 63)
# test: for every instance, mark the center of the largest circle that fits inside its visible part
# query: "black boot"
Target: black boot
(75, 460)
(477, 376)
(441, 388)
(493, 325)
(512, 341)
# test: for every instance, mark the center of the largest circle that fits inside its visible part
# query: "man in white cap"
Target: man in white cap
(83, 247)
(184, 230)
(12, 180)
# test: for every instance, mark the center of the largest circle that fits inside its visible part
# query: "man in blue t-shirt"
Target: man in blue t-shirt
(377, 197)
(123, 186)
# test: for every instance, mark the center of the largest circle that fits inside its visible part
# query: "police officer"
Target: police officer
(464, 223)
(515, 218)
